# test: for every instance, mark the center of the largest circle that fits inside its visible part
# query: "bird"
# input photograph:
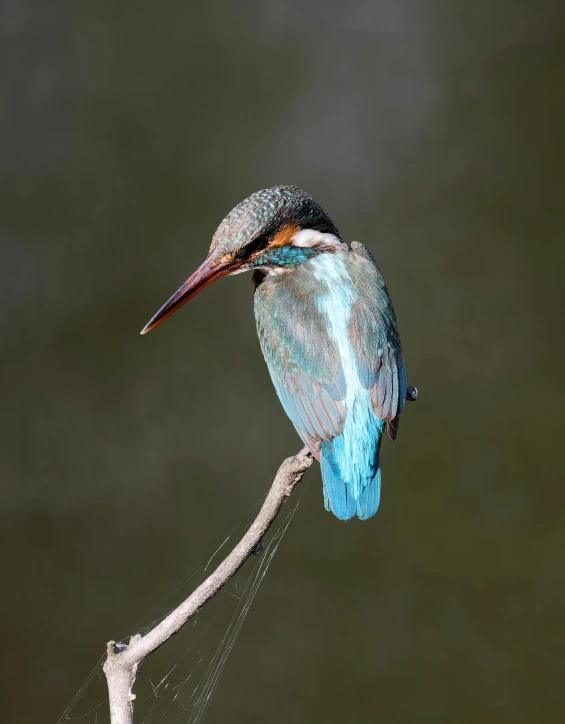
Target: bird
(327, 330)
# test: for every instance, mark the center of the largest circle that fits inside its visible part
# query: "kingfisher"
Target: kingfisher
(327, 330)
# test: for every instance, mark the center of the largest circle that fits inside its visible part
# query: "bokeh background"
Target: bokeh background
(433, 132)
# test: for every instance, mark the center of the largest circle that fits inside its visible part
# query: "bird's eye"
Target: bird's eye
(257, 244)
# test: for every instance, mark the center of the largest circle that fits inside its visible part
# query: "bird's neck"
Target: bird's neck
(283, 257)
(306, 244)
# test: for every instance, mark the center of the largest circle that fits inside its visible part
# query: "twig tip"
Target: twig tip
(412, 394)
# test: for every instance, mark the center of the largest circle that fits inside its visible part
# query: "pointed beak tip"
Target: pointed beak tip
(148, 327)
(204, 275)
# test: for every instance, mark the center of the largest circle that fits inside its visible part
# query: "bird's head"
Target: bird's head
(273, 230)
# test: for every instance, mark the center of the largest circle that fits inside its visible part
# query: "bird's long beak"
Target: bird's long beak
(206, 273)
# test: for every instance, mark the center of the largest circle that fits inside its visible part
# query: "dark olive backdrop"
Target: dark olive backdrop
(433, 132)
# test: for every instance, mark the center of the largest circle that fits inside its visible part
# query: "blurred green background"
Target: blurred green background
(433, 132)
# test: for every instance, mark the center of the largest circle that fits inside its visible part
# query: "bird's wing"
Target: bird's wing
(374, 335)
(303, 361)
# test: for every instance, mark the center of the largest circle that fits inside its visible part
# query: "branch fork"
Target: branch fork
(123, 660)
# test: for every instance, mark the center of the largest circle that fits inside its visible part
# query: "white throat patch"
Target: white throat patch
(311, 237)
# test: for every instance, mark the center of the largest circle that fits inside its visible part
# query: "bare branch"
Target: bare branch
(123, 660)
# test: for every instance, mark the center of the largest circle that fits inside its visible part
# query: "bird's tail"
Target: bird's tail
(352, 482)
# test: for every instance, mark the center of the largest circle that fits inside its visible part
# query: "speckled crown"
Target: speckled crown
(265, 212)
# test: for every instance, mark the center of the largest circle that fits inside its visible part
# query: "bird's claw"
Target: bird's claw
(412, 394)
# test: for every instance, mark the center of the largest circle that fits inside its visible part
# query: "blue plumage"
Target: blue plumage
(351, 488)
(327, 331)
(331, 346)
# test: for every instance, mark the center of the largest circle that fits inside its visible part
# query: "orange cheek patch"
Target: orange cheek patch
(284, 236)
